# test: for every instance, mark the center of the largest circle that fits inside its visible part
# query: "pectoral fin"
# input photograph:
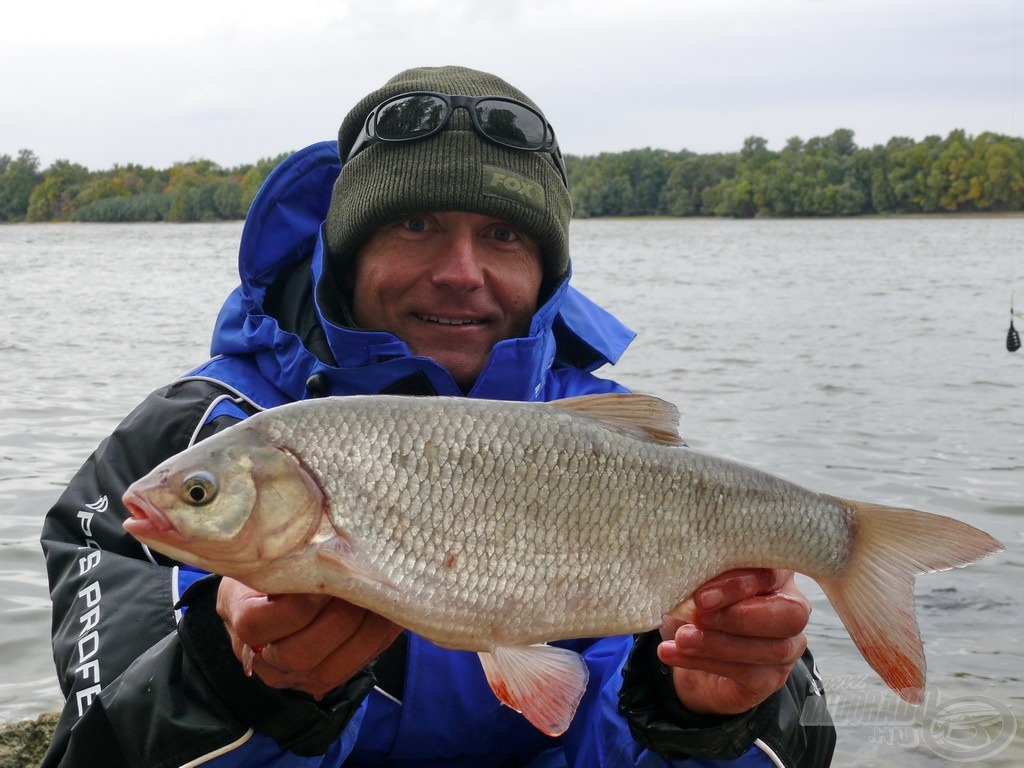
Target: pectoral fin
(542, 682)
(684, 611)
(339, 555)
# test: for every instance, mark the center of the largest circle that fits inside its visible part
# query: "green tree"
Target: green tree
(755, 153)
(143, 207)
(948, 185)
(647, 171)
(100, 186)
(18, 178)
(604, 196)
(681, 195)
(687, 187)
(254, 176)
(55, 196)
(782, 179)
(1002, 182)
(227, 199)
(732, 197)
(184, 205)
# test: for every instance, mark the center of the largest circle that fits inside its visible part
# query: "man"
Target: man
(441, 268)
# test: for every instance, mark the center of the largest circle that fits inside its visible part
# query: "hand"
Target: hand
(310, 643)
(744, 635)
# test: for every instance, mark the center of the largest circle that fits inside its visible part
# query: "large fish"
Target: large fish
(497, 526)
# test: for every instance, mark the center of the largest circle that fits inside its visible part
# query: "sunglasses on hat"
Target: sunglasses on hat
(417, 115)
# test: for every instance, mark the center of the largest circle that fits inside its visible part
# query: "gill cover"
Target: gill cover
(233, 499)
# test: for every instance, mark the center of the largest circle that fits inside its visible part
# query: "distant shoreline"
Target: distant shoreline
(643, 217)
(822, 177)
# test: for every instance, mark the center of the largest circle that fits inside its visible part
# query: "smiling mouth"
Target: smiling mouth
(448, 320)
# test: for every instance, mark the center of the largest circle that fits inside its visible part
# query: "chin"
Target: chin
(464, 372)
(464, 378)
(465, 381)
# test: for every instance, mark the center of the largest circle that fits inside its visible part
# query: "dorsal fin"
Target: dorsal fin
(644, 417)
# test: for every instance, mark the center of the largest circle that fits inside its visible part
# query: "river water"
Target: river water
(864, 358)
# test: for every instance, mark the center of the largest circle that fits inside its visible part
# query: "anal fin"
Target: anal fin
(543, 682)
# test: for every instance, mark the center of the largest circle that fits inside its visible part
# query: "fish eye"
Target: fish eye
(199, 489)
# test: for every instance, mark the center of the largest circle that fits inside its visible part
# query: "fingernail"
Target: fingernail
(710, 599)
(688, 637)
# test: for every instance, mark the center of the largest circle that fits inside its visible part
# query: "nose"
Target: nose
(458, 265)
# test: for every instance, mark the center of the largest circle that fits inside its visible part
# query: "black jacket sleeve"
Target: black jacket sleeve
(187, 697)
(793, 722)
(112, 600)
(139, 687)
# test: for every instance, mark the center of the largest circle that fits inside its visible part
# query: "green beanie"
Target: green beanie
(456, 169)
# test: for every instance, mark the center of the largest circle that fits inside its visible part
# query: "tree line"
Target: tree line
(823, 176)
(199, 190)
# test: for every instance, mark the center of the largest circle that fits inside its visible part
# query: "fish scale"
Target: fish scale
(494, 526)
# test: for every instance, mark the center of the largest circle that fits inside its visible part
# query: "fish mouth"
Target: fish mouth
(144, 516)
(454, 321)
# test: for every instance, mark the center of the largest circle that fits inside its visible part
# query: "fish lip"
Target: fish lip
(144, 512)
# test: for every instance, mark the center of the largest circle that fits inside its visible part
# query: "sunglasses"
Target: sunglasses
(417, 115)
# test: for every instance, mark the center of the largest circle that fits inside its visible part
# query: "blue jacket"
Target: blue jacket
(164, 688)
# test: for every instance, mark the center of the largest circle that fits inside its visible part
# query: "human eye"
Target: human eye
(505, 234)
(414, 224)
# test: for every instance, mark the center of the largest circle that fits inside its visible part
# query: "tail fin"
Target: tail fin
(874, 596)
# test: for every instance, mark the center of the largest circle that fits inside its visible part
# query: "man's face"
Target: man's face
(450, 285)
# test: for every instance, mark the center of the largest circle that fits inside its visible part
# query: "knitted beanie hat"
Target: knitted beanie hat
(456, 169)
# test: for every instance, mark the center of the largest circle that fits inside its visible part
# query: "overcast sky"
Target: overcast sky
(130, 81)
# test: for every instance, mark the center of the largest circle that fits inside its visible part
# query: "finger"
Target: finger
(757, 681)
(732, 586)
(264, 619)
(303, 650)
(693, 646)
(769, 616)
(373, 635)
(710, 693)
(718, 663)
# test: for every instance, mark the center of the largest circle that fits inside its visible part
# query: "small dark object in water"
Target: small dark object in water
(1012, 338)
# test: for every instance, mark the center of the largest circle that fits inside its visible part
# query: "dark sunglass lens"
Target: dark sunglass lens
(409, 117)
(511, 124)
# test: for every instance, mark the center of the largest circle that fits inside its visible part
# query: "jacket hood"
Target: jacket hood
(283, 235)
